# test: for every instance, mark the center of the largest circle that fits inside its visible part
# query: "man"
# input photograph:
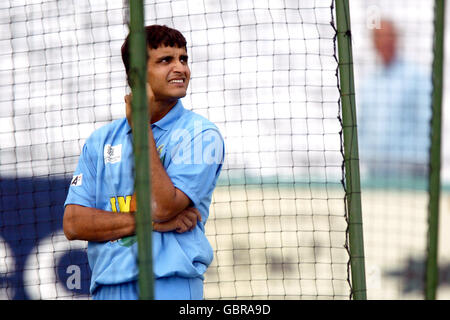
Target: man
(186, 154)
(394, 112)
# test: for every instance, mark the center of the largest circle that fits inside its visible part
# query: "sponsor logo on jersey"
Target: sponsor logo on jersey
(123, 204)
(160, 150)
(120, 204)
(76, 180)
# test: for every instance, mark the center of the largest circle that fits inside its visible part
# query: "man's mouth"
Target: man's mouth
(176, 81)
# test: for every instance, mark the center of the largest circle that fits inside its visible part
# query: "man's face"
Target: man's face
(385, 41)
(168, 72)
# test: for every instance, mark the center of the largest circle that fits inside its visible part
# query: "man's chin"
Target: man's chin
(180, 95)
(171, 94)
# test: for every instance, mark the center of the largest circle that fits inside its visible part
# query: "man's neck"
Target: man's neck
(159, 109)
(387, 64)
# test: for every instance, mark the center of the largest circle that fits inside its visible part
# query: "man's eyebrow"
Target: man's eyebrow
(166, 57)
(171, 57)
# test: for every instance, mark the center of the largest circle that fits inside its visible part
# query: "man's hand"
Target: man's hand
(128, 107)
(186, 220)
(150, 95)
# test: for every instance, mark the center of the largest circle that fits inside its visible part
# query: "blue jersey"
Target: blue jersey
(192, 151)
(394, 118)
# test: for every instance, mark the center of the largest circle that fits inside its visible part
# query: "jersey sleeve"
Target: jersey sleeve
(83, 184)
(196, 162)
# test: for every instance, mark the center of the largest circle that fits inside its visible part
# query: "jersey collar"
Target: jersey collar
(169, 119)
(166, 122)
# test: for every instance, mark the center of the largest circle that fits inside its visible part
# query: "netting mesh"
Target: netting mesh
(61, 78)
(263, 71)
(265, 74)
(393, 57)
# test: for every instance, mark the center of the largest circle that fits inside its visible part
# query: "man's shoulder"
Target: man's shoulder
(101, 134)
(193, 121)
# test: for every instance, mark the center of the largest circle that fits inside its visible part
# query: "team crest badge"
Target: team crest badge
(112, 154)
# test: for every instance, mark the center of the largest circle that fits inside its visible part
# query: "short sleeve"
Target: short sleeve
(195, 163)
(83, 184)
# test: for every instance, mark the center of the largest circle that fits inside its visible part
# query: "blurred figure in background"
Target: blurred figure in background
(394, 112)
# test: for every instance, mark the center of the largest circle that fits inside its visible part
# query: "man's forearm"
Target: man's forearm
(167, 201)
(91, 224)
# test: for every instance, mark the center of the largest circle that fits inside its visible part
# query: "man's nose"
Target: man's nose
(179, 66)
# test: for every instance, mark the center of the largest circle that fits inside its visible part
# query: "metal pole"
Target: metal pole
(432, 270)
(351, 156)
(138, 77)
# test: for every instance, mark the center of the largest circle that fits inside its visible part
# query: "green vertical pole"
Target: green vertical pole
(432, 271)
(351, 156)
(140, 118)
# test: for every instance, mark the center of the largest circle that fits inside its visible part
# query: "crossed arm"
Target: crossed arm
(171, 210)
(91, 224)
